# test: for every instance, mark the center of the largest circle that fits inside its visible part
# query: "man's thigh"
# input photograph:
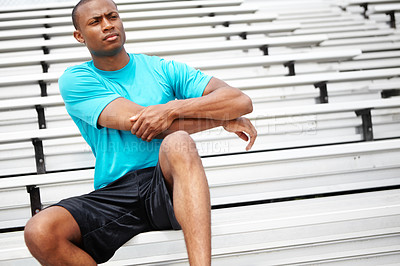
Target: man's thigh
(108, 217)
(57, 222)
(158, 202)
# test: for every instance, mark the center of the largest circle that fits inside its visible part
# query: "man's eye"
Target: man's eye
(93, 22)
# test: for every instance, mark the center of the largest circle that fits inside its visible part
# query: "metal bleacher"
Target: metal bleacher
(322, 182)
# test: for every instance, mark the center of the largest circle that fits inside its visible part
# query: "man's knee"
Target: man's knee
(46, 229)
(38, 235)
(180, 144)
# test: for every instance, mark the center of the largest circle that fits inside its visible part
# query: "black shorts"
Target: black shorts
(110, 216)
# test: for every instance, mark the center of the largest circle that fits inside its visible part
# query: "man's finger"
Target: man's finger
(137, 116)
(251, 143)
(242, 135)
(148, 134)
(253, 136)
(150, 137)
(136, 126)
(141, 131)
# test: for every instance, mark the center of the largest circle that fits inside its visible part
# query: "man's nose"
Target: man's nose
(107, 25)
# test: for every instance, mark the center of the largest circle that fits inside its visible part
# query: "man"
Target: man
(136, 112)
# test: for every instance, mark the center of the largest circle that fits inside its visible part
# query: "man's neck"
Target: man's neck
(111, 63)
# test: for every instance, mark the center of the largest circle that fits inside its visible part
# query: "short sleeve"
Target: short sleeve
(186, 81)
(84, 95)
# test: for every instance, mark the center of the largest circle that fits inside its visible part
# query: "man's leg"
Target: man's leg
(186, 179)
(52, 237)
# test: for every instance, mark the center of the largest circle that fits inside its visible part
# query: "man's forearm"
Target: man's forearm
(191, 125)
(219, 102)
(226, 103)
(241, 126)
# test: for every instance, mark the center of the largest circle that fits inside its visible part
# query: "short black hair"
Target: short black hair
(75, 11)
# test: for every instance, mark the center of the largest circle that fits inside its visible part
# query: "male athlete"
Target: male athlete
(136, 112)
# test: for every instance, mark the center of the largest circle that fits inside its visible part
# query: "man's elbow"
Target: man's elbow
(247, 104)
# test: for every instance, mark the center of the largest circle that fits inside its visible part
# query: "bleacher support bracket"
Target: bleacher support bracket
(41, 116)
(39, 156)
(34, 194)
(366, 123)
(264, 48)
(43, 88)
(323, 91)
(290, 66)
(390, 93)
(392, 16)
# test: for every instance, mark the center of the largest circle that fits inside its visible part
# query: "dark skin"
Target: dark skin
(53, 236)
(103, 33)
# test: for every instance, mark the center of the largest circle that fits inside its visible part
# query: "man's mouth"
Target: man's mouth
(111, 37)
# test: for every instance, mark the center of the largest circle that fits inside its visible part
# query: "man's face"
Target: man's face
(100, 28)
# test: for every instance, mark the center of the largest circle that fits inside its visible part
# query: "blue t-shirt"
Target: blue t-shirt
(145, 80)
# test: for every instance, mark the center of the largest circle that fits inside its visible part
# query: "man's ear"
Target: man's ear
(78, 36)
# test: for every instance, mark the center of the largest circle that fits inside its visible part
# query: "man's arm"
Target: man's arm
(219, 102)
(221, 105)
(117, 115)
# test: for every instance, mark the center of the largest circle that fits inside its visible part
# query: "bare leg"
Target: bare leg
(185, 176)
(53, 236)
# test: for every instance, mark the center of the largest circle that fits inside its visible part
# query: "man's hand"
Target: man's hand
(242, 126)
(152, 121)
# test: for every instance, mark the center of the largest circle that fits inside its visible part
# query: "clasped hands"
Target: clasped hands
(154, 120)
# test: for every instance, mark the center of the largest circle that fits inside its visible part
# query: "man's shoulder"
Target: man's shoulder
(71, 70)
(77, 72)
(74, 76)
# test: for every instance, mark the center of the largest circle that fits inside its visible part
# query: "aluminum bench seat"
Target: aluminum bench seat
(173, 23)
(362, 165)
(134, 16)
(354, 34)
(21, 15)
(244, 84)
(359, 2)
(326, 13)
(335, 24)
(69, 4)
(367, 46)
(317, 192)
(365, 4)
(279, 128)
(344, 28)
(339, 92)
(387, 85)
(384, 8)
(388, 9)
(163, 48)
(324, 19)
(274, 82)
(367, 64)
(153, 35)
(261, 112)
(261, 82)
(362, 40)
(248, 61)
(31, 102)
(316, 234)
(286, 12)
(275, 59)
(348, 228)
(146, 25)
